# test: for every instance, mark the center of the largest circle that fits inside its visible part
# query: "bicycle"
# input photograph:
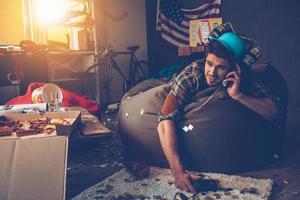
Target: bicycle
(138, 69)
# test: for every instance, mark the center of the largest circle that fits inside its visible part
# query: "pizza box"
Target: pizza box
(72, 117)
(33, 168)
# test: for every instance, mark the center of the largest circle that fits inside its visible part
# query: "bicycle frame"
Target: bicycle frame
(133, 63)
(105, 58)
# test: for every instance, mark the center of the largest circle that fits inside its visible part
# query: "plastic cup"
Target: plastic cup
(47, 93)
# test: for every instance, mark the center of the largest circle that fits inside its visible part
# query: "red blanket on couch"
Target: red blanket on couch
(69, 99)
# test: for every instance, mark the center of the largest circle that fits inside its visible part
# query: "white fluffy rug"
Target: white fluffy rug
(160, 186)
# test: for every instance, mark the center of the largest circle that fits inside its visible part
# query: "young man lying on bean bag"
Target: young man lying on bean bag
(227, 67)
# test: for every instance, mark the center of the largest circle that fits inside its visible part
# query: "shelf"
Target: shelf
(71, 52)
(79, 25)
(65, 79)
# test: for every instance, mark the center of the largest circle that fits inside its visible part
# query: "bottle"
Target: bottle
(55, 104)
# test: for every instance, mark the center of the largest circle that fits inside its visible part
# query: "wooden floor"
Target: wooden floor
(92, 160)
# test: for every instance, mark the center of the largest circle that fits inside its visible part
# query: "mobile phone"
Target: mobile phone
(205, 185)
(180, 196)
(227, 84)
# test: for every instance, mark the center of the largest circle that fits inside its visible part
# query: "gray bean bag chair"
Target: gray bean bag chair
(224, 136)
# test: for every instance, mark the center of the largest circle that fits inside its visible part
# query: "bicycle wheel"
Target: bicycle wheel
(89, 81)
(140, 72)
(121, 75)
(97, 74)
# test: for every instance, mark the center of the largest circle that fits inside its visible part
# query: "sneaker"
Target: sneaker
(136, 169)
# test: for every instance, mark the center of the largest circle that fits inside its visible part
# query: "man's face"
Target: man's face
(215, 69)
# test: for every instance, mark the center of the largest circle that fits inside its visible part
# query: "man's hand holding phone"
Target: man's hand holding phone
(232, 82)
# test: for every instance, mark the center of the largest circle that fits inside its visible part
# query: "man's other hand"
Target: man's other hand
(183, 181)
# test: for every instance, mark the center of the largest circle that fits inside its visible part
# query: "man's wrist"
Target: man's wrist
(176, 166)
(177, 169)
(238, 96)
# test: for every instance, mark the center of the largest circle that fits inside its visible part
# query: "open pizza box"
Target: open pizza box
(34, 167)
(72, 119)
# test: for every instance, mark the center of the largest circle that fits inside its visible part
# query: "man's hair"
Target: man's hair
(218, 49)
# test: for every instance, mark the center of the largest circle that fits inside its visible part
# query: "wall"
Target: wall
(120, 23)
(274, 24)
(11, 22)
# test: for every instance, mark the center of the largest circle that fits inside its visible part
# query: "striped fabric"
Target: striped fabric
(174, 25)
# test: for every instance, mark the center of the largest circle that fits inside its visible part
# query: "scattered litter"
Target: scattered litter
(285, 182)
(295, 193)
(275, 156)
(104, 165)
(142, 111)
(126, 115)
(69, 168)
(250, 191)
(211, 198)
(180, 196)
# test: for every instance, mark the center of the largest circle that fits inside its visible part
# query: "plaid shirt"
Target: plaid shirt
(192, 79)
(187, 83)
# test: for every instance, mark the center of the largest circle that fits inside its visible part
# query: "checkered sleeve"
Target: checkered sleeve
(260, 90)
(186, 84)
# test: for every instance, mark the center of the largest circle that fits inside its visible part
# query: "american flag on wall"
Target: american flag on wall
(173, 20)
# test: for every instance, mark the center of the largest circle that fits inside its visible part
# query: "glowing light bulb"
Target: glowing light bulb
(50, 11)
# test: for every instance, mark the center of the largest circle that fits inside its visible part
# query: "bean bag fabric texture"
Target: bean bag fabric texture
(223, 136)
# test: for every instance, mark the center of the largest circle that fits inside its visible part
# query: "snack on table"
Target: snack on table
(59, 122)
(25, 132)
(41, 120)
(6, 130)
(30, 127)
(9, 122)
(50, 128)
